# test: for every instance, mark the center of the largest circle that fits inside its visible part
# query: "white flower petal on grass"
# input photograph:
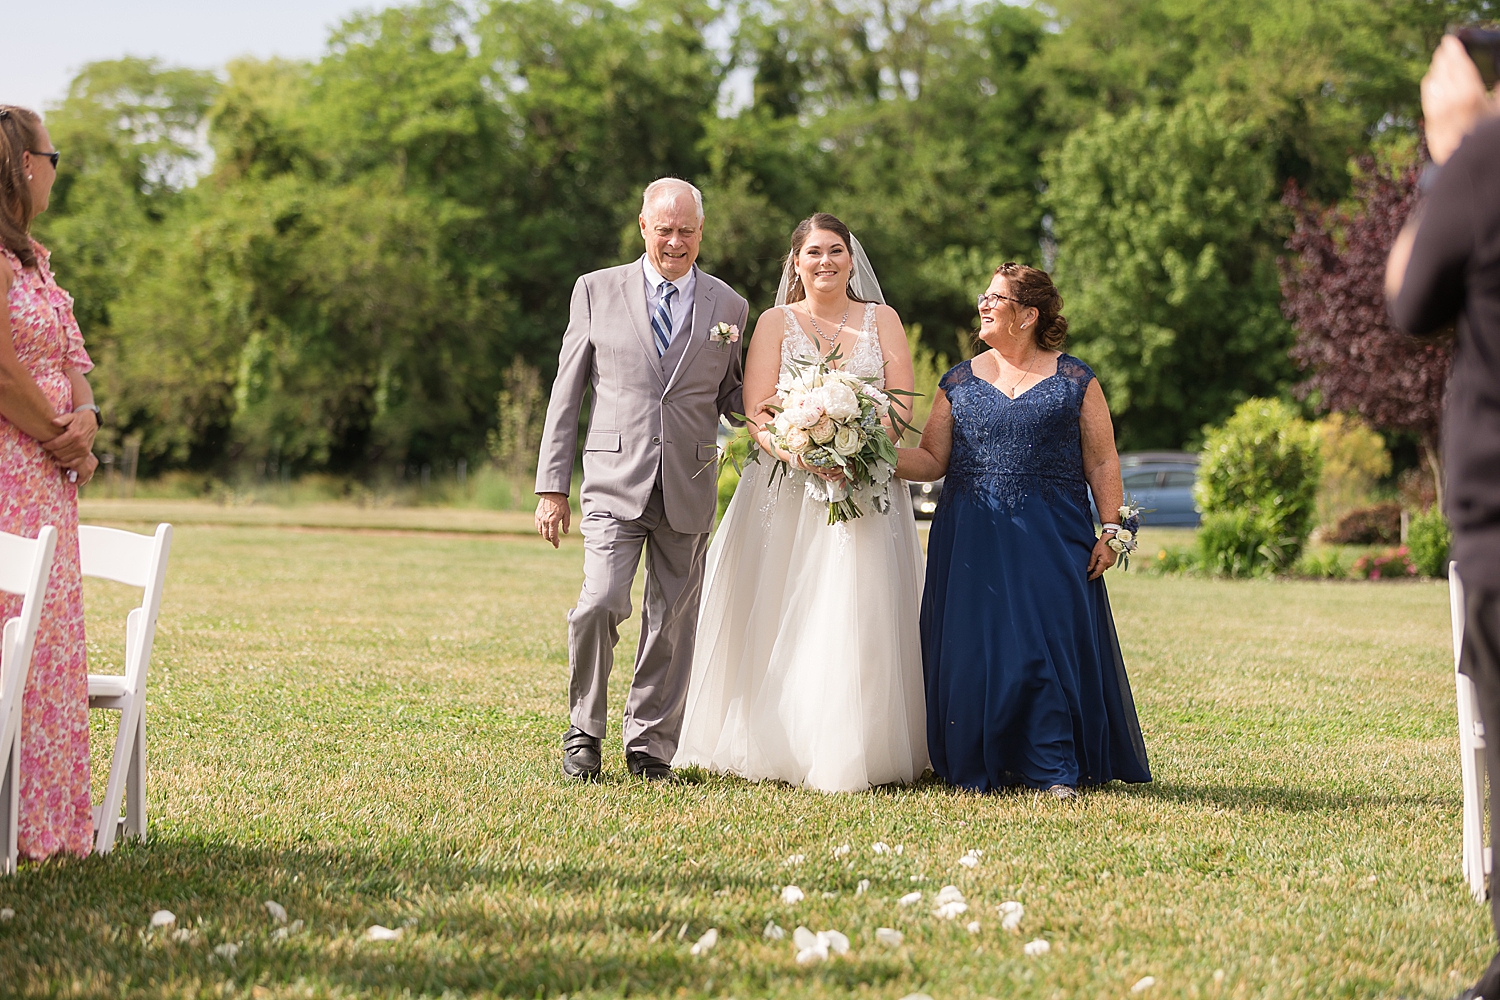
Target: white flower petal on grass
(830, 895)
(950, 910)
(163, 918)
(1218, 975)
(182, 935)
(706, 942)
(810, 947)
(791, 895)
(889, 937)
(880, 847)
(973, 927)
(295, 928)
(971, 857)
(834, 941)
(804, 939)
(863, 887)
(7, 915)
(899, 849)
(1011, 913)
(841, 850)
(379, 933)
(772, 932)
(1037, 947)
(227, 950)
(949, 894)
(808, 956)
(1143, 984)
(794, 859)
(276, 910)
(910, 898)
(916, 996)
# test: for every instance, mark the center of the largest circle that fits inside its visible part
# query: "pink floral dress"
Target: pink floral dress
(55, 814)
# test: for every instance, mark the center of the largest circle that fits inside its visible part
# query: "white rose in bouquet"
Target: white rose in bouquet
(796, 440)
(822, 431)
(840, 401)
(848, 440)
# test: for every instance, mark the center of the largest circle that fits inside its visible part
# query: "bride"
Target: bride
(808, 664)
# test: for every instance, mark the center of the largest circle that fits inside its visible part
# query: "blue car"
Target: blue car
(1161, 482)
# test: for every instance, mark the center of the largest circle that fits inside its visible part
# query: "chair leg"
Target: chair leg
(109, 810)
(10, 807)
(135, 781)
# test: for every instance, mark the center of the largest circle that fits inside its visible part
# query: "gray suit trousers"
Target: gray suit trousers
(669, 621)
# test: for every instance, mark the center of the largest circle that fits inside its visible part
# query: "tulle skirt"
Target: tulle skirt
(808, 662)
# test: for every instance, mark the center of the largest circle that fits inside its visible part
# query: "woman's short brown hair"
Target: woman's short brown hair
(1035, 289)
(19, 131)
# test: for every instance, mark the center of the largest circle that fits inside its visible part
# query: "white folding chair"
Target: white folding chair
(137, 561)
(25, 565)
(1476, 856)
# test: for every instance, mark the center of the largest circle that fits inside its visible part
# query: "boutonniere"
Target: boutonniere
(724, 333)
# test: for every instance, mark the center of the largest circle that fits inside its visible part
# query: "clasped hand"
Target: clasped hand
(73, 449)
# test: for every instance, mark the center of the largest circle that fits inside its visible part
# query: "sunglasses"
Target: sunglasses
(993, 299)
(53, 156)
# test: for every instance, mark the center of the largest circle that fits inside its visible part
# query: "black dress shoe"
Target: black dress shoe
(580, 754)
(643, 765)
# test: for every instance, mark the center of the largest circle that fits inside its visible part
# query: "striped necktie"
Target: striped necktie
(661, 320)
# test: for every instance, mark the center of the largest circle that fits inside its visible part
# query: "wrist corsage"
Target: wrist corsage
(724, 333)
(1122, 541)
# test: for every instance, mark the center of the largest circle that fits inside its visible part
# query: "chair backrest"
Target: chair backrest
(25, 566)
(136, 561)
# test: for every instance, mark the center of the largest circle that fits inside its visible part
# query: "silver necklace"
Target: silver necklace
(1034, 352)
(819, 330)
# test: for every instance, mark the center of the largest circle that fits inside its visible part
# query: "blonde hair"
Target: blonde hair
(19, 130)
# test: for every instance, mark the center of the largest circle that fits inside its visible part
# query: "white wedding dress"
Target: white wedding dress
(808, 665)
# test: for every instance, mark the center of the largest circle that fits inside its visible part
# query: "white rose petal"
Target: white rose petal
(791, 895)
(773, 932)
(808, 956)
(163, 918)
(973, 927)
(916, 996)
(379, 933)
(840, 402)
(227, 950)
(863, 887)
(295, 928)
(834, 941)
(706, 942)
(889, 937)
(1011, 913)
(899, 849)
(841, 850)
(880, 847)
(1218, 975)
(1037, 947)
(949, 894)
(804, 938)
(184, 934)
(910, 898)
(276, 910)
(950, 910)
(1125, 535)
(7, 915)
(969, 860)
(795, 859)
(1143, 984)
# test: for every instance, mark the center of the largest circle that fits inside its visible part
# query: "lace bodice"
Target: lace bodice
(1007, 449)
(865, 359)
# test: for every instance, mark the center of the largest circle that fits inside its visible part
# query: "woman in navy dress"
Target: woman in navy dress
(1025, 681)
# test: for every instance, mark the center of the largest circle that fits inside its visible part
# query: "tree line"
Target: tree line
(332, 265)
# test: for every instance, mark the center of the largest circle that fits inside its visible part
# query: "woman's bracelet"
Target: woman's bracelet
(1108, 527)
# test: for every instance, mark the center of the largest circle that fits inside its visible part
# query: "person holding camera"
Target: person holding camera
(1445, 268)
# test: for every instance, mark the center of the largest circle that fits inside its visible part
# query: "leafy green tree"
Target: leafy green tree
(1166, 247)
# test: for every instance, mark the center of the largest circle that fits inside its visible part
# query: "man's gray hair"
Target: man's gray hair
(664, 187)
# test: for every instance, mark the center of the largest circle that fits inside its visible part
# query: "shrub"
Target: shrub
(1329, 564)
(1379, 524)
(1354, 460)
(1257, 487)
(1392, 564)
(1429, 538)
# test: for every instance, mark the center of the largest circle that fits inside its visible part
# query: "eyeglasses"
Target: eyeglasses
(53, 156)
(993, 299)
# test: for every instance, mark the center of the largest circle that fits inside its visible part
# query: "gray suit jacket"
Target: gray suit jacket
(650, 414)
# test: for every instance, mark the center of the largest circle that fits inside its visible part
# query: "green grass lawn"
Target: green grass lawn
(363, 727)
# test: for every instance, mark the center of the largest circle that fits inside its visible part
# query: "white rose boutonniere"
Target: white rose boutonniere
(724, 333)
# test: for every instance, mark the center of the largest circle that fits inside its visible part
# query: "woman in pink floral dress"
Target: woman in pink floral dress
(47, 426)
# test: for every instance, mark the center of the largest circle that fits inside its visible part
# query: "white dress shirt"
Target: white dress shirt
(682, 301)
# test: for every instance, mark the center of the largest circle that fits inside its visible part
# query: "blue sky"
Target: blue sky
(43, 45)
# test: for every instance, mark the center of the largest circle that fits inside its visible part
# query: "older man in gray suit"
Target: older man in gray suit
(658, 341)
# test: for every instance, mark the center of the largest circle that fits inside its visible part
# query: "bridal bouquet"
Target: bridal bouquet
(832, 420)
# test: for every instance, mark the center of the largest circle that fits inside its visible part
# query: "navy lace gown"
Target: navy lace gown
(1025, 681)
